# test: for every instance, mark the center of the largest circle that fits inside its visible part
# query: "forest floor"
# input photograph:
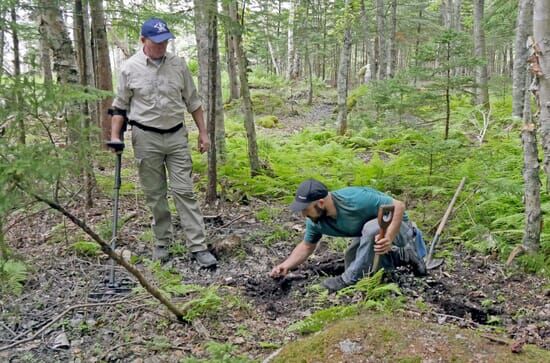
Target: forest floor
(63, 316)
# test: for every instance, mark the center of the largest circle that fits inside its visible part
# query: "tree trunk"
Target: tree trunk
(531, 179)
(213, 86)
(448, 92)
(392, 46)
(291, 56)
(17, 76)
(232, 71)
(204, 40)
(82, 57)
(482, 88)
(381, 43)
(2, 40)
(255, 168)
(368, 42)
(345, 55)
(541, 26)
(104, 78)
(523, 29)
(45, 61)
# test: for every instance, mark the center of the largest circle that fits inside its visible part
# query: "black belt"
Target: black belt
(154, 129)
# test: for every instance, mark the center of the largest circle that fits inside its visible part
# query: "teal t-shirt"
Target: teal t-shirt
(355, 206)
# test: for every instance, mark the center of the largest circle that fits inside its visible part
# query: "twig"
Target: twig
(59, 316)
(230, 222)
(496, 339)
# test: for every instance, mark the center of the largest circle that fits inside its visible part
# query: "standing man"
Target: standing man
(154, 89)
(352, 212)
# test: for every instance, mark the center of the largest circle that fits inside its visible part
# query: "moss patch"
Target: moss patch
(268, 122)
(382, 337)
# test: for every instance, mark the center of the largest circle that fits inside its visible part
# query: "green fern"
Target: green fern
(319, 319)
(13, 274)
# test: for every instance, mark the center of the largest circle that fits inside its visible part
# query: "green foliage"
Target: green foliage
(319, 319)
(86, 248)
(13, 275)
(219, 353)
(372, 288)
(207, 303)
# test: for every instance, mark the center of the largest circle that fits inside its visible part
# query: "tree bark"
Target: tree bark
(204, 39)
(82, 57)
(2, 40)
(541, 26)
(531, 179)
(17, 76)
(371, 63)
(343, 69)
(381, 36)
(392, 46)
(232, 71)
(523, 29)
(104, 78)
(291, 56)
(482, 88)
(255, 168)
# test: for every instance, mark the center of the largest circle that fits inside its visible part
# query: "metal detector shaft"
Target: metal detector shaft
(116, 190)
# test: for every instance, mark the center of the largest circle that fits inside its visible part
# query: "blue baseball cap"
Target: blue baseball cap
(156, 30)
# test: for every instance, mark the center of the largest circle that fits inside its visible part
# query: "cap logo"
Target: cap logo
(304, 198)
(161, 27)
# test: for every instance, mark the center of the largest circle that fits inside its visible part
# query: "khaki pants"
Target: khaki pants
(155, 154)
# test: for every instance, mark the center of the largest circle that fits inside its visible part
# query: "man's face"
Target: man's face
(315, 211)
(154, 50)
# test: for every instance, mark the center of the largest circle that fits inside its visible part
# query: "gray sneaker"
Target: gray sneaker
(205, 258)
(161, 253)
(333, 284)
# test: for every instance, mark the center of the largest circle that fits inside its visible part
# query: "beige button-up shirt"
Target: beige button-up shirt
(156, 95)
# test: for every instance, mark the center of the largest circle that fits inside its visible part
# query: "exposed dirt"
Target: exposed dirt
(466, 291)
(55, 319)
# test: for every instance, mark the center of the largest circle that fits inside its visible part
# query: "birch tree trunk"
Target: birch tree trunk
(523, 29)
(343, 69)
(531, 179)
(368, 42)
(290, 71)
(381, 43)
(392, 46)
(541, 27)
(232, 71)
(103, 74)
(255, 168)
(482, 88)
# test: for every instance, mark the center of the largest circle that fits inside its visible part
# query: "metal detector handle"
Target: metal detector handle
(385, 217)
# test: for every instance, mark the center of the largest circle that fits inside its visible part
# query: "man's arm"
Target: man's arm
(300, 253)
(383, 245)
(204, 141)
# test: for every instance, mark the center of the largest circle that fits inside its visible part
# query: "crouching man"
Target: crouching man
(352, 212)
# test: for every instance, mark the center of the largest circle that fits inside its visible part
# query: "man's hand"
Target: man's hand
(204, 142)
(280, 270)
(382, 245)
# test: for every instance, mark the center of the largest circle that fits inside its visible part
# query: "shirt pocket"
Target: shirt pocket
(143, 90)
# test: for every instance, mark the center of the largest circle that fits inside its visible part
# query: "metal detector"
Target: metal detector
(111, 285)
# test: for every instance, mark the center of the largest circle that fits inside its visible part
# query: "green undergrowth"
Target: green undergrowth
(372, 295)
(13, 274)
(219, 353)
(411, 162)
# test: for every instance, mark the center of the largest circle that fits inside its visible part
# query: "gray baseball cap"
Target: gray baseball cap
(309, 191)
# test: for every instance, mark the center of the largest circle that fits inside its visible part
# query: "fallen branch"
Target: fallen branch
(515, 252)
(56, 318)
(106, 248)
